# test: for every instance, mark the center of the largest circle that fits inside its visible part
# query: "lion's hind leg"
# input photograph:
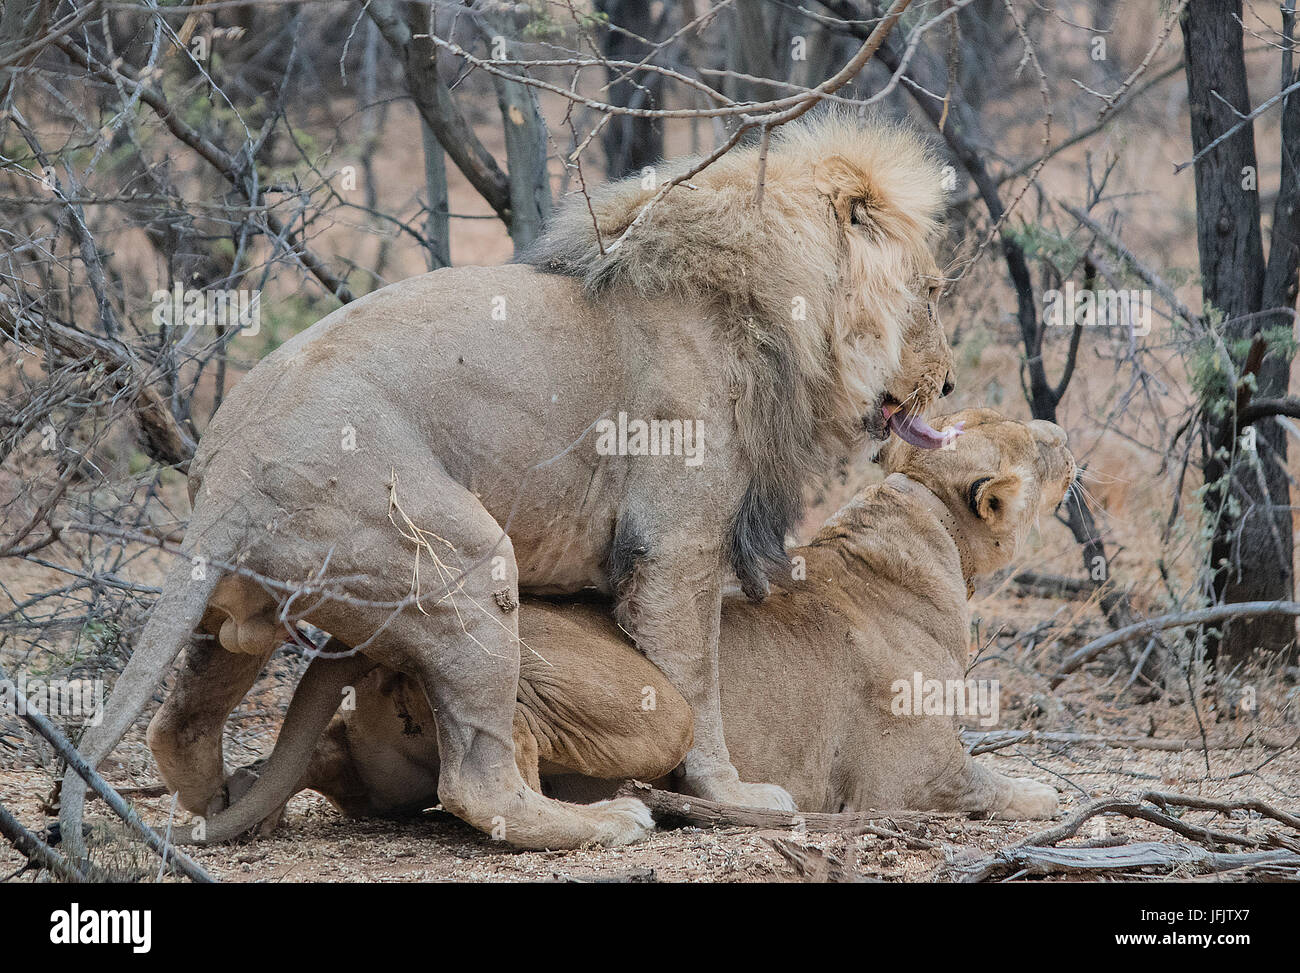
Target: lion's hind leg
(461, 642)
(185, 735)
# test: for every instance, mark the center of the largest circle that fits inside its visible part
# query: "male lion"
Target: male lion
(395, 474)
(817, 681)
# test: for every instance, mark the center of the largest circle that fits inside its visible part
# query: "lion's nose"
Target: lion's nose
(948, 386)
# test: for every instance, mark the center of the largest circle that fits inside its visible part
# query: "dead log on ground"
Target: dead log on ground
(1144, 854)
(677, 810)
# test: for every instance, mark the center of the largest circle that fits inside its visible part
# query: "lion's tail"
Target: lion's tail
(175, 615)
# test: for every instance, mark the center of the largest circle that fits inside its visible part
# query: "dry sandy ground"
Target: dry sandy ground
(316, 843)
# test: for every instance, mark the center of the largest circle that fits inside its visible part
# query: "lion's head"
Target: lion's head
(824, 289)
(883, 190)
(924, 375)
(996, 480)
(821, 293)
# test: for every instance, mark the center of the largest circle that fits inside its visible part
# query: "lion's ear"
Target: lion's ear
(840, 181)
(994, 498)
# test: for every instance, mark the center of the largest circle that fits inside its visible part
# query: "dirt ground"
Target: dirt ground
(316, 843)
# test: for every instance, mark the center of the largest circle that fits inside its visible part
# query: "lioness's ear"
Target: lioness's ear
(839, 180)
(993, 498)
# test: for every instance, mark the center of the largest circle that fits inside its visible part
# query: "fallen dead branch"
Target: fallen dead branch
(1038, 855)
(1223, 807)
(676, 810)
(1204, 616)
(1138, 809)
(1144, 854)
(143, 790)
(1001, 739)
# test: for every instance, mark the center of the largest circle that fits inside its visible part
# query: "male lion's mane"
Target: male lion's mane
(812, 315)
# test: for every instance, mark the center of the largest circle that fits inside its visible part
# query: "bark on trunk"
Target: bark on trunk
(1251, 544)
(631, 144)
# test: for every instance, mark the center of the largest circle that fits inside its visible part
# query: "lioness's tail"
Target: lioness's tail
(317, 697)
(175, 615)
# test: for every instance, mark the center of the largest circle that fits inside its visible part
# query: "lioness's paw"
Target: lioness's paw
(622, 821)
(769, 796)
(1031, 800)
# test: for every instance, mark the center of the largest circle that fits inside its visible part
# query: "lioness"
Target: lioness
(813, 679)
(397, 473)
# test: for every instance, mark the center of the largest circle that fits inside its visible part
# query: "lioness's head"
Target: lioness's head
(996, 480)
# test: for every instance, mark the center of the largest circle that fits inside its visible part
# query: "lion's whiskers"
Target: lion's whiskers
(913, 396)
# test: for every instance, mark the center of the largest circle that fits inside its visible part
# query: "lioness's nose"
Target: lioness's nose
(948, 386)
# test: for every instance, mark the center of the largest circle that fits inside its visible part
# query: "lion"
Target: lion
(397, 473)
(818, 681)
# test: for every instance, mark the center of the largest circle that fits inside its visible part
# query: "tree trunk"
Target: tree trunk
(631, 144)
(761, 36)
(438, 109)
(525, 132)
(422, 70)
(1251, 543)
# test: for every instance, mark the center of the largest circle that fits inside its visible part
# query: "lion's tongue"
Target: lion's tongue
(913, 429)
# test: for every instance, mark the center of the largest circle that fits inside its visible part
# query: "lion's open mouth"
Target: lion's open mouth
(912, 428)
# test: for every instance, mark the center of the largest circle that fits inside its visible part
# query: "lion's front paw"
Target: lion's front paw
(622, 821)
(769, 796)
(1031, 800)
